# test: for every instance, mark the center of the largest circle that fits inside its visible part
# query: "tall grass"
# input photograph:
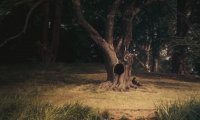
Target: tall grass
(179, 110)
(23, 108)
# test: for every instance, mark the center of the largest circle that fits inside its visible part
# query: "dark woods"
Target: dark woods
(151, 36)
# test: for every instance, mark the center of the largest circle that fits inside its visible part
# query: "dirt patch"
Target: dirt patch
(133, 114)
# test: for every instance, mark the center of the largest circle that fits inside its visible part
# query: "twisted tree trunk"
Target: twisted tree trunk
(118, 60)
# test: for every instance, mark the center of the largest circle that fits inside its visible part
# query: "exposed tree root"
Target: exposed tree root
(116, 86)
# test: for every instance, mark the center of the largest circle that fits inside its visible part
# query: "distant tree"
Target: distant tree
(187, 36)
(152, 32)
(49, 43)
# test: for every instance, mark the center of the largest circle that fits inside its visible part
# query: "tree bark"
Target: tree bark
(110, 61)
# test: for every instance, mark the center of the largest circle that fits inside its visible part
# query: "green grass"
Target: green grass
(24, 108)
(180, 110)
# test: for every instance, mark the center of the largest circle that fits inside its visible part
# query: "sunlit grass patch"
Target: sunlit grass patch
(179, 110)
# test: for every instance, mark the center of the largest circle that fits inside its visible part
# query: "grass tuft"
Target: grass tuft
(22, 108)
(187, 110)
(124, 118)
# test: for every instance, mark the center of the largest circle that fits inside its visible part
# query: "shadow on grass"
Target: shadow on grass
(184, 78)
(78, 80)
(48, 74)
(169, 85)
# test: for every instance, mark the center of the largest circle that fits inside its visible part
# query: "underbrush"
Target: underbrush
(180, 110)
(24, 108)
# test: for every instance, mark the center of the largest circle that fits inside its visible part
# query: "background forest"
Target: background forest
(165, 35)
(99, 59)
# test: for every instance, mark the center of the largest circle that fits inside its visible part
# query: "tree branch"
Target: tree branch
(110, 21)
(119, 44)
(143, 65)
(25, 24)
(127, 22)
(84, 23)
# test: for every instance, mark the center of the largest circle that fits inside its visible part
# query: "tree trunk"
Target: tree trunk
(118, 78)
(155, 56)
(147, 47)
(178, 57)
(147, 63)
(45, 53)
(155, 65)
(51, 31)
(178, 60)
(110, 61)
(55, 28)
(118, 60)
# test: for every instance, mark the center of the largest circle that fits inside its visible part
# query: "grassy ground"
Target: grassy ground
(61, 83)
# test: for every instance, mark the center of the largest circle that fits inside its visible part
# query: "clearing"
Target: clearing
(63, 83)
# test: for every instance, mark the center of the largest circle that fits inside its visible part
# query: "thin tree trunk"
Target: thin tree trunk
(147, 47)
(43, 46)
(51, 31)
(178, 61)
(147, 63)
(155, 56)
(55, 28)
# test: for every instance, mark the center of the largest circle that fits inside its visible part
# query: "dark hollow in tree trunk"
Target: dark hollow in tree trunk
(119, 69)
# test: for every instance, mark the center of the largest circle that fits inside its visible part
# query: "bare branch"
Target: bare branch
(119, 45)
(143, 64)
(25, 24)
(84, 23)
(110, 21)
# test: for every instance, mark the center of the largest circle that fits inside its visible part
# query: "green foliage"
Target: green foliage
(23, 108)
(188, 110)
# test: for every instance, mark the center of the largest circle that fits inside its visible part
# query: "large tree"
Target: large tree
(117, 54)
